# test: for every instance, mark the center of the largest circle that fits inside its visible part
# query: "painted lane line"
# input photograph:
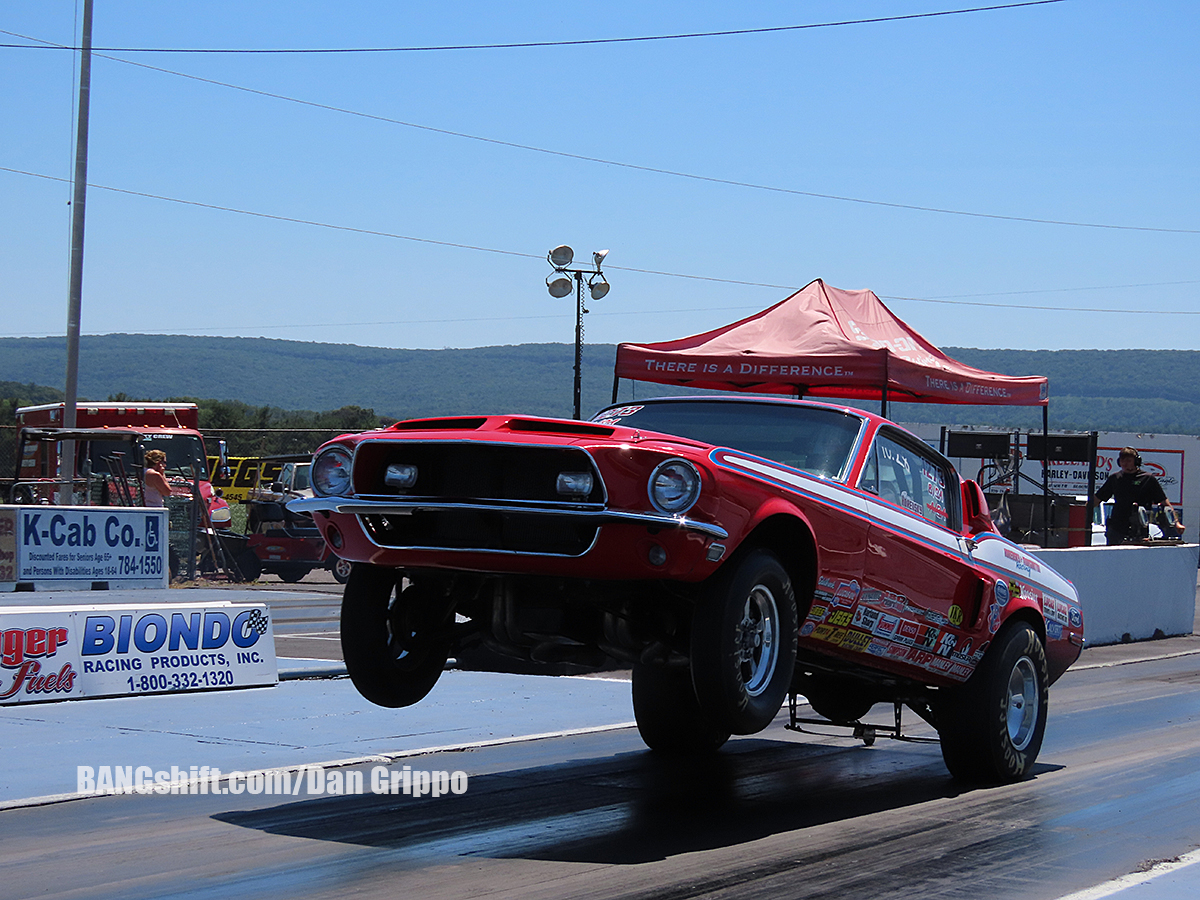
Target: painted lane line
(1130, 662)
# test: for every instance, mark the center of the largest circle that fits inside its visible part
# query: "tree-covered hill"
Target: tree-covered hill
(1108, 390)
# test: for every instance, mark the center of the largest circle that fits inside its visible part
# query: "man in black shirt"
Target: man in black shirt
(1131, 487)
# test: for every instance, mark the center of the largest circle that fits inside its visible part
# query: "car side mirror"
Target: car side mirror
(976, 517)
(223, 460)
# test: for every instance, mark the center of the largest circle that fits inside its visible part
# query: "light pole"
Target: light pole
(558, 283)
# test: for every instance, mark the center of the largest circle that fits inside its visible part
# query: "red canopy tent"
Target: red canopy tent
(824, 342)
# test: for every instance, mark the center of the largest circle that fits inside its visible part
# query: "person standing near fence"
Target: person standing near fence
(155, 486)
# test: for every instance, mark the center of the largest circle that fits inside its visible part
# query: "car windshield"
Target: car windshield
(300, 480)
(810, 438)
(109, 457)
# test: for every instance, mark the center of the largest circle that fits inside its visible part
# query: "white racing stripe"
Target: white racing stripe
(1117, 885)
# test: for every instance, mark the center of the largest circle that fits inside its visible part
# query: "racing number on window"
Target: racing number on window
(910, 480)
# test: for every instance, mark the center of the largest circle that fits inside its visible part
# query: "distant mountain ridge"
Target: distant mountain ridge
(1149, 391)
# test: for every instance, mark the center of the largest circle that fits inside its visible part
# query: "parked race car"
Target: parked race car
(732, 550)
(279, 541)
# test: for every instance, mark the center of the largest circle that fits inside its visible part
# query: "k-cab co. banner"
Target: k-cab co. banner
(64, 653)
(125, 547)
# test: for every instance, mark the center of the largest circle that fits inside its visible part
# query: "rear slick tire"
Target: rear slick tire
(992, 726)
(395, 642)
(743, 645)
(668, 717)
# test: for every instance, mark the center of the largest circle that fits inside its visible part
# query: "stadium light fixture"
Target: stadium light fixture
(558, 283)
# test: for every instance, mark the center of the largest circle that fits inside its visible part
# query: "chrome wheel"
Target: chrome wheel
(757, 639)
(743, 643)
(1022, 703)
(341, 570)
(992, 725)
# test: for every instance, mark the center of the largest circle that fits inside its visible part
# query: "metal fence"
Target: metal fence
(241, 442)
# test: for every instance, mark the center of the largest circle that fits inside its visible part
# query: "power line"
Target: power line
(277, 218)
(531, 44)
(709, 278)
(275, 326)
(1091, 309)
(1105, 287)
(638, 167)
(643, 168)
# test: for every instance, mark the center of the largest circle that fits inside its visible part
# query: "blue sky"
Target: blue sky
(1083, 111)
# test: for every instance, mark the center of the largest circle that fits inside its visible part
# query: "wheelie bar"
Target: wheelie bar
(863, 731)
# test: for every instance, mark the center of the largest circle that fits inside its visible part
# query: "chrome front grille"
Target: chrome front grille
(479, 496)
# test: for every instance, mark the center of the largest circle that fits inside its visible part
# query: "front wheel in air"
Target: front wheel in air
(395, 640)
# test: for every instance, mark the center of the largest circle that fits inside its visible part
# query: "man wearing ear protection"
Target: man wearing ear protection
(1130, 488)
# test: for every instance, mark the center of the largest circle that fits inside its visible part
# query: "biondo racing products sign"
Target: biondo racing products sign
(62, 544)
(62, 653)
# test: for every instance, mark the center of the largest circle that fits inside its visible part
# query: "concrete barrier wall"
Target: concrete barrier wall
(1131, 593)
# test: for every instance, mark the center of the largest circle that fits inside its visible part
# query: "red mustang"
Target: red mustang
(732, 550)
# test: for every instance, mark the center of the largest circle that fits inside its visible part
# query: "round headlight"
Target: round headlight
(331, 473)
(675, 486)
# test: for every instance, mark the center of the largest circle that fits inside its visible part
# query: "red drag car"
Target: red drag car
(733, 550)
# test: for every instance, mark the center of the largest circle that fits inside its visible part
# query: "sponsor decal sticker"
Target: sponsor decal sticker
(857, 641)
(908, 632)
(963, 652)
(614, 416)
(823, 632)
(847, 593)
(835, 636)
(946, 644)
(886, 626)
(1024, 564)
(1001, 593)
(840, 618)
(866, 618)
(920, 657)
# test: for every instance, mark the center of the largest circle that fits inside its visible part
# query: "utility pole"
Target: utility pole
(75, 290)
